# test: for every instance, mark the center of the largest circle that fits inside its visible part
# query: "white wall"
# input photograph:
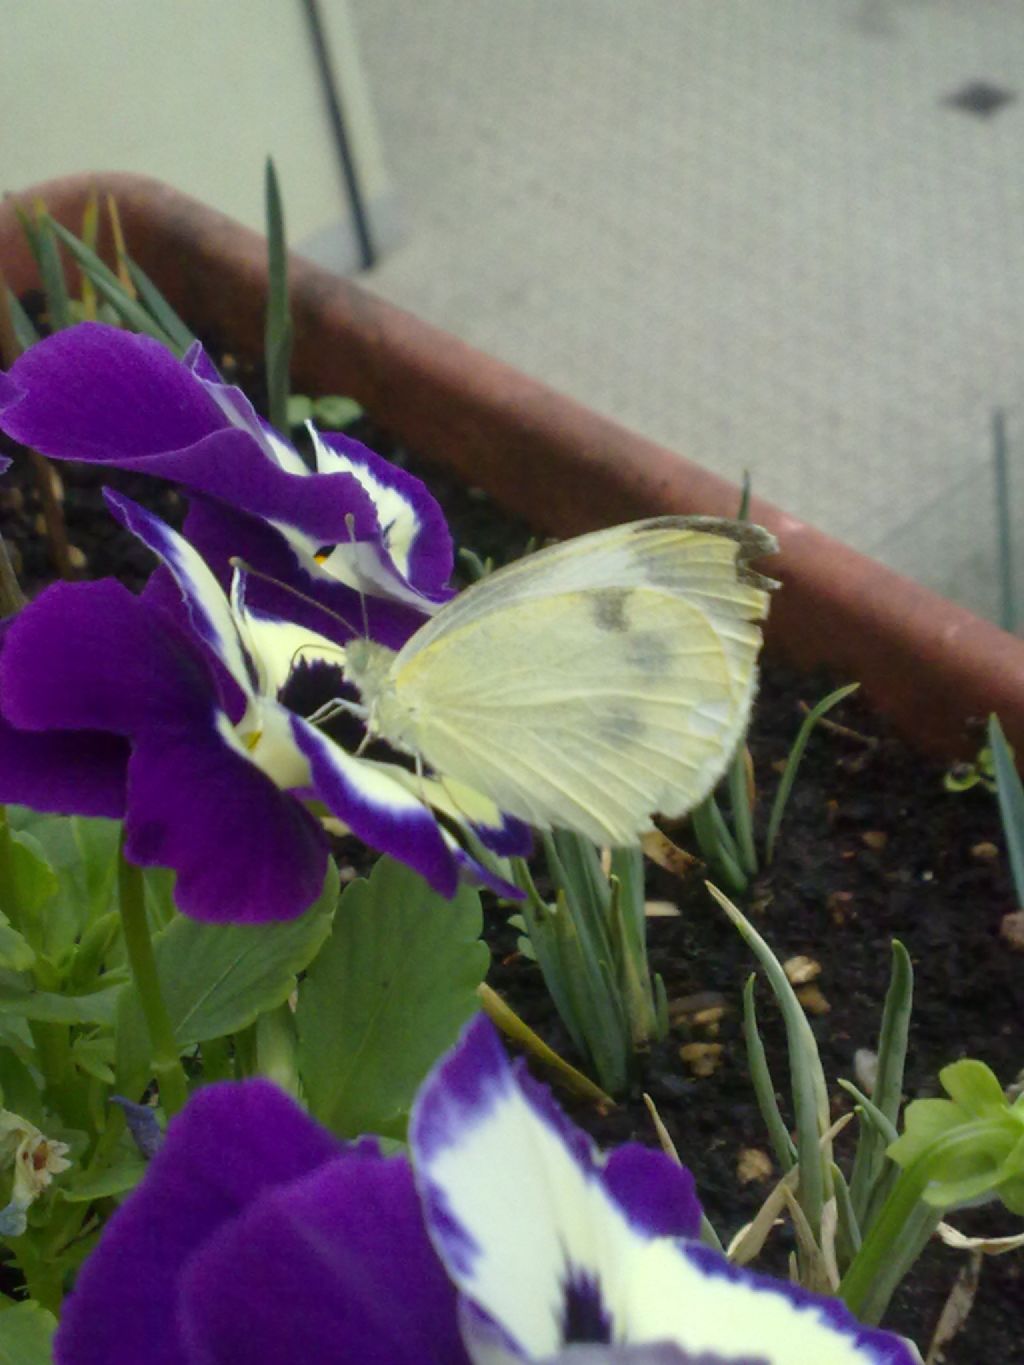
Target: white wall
(194, 92)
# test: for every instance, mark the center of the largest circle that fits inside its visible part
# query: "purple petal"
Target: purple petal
(90, 656)
(231, 1146)
(377, 808)
(240, 413)
(103, 395)
(66, 773)
(98, 393)
(334, 1268)
(243, 850)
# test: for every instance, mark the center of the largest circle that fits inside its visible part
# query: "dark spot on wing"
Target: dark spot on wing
(609, 608)
(649, 652)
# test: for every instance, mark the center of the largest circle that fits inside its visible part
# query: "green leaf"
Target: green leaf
(300, 409)
(218, 978)
(35, 881)
(18, 1089)
(975, 1088)
(387, 996)
(336, 411)
(15, 952)
(81, 858)
(95, 1056)
(26, 1335)
(123, 1174)
(18, 998)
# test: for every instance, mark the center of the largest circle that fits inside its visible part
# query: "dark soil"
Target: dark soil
(873, 848)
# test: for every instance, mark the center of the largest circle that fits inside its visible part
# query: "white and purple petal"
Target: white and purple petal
(100, 394)
(412, 526)
(240, 413)
(290, 582)
(367, 797)
(208, 609)
(564, 1227)
(566, 1250)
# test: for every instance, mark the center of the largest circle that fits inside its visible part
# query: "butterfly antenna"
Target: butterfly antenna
(237, 563)
(350, 526)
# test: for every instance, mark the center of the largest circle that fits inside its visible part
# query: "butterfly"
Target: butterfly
(588, 686)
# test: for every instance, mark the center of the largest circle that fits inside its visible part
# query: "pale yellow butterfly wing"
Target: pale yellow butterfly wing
(591, 685)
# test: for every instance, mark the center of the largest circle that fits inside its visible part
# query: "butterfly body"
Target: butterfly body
(589, 686)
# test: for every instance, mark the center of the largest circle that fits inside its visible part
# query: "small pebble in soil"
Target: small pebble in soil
(1011, 928)
(753, 1165)
(702, 1059)
(799, 970)
(813, 1000)
(985, 851)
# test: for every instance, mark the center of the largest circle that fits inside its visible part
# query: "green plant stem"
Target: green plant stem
(164, 1054)
(8, 899)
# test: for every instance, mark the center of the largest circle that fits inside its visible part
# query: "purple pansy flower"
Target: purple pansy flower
(255, 1237)
(221, 766)
(359, 525)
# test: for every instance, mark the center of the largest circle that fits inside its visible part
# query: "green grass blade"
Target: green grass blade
(25, 335)
(743, 514)
(30, 228)
(742, 811)
(764, 1086)
(51, 273)
(90, 236)
(810, 1093)
(872, 1115)
(1011, 802)
(129, 310)
(869, 1164)
(796, 754)
(717, 846)
(848, 1238)
(158, 306)
(278, 335)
